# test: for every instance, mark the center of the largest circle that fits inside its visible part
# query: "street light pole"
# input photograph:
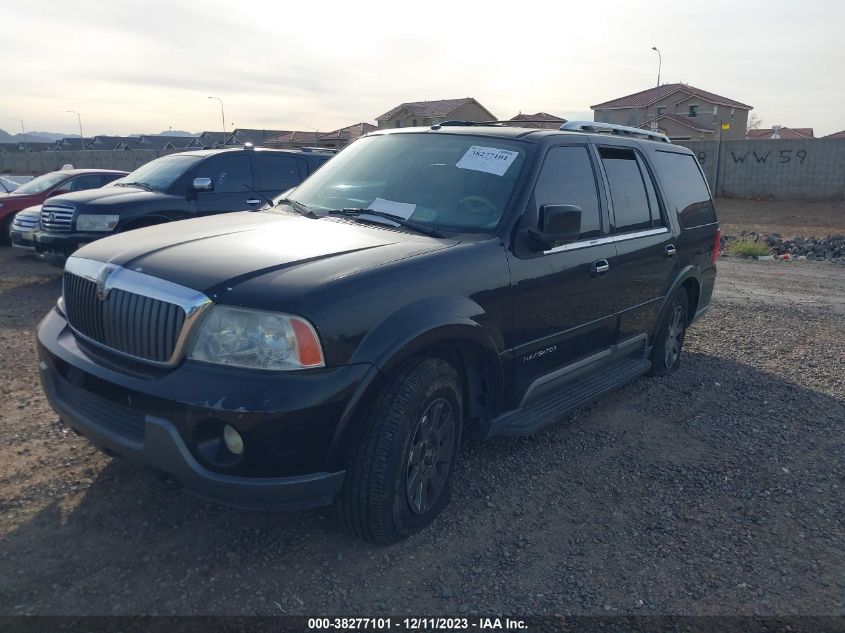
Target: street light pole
(23, 132)
(223, 116)
(79, 120)
(659, 64)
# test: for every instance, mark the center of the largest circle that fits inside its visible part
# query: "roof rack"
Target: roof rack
(610, 128)
(495, 122)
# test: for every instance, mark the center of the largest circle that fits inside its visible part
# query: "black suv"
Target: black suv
(173, 187)
(427, 284)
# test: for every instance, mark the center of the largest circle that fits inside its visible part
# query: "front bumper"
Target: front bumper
(156, 420)
(22, 239)
(62, 245)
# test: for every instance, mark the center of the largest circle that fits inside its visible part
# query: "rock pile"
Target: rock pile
(829, 247)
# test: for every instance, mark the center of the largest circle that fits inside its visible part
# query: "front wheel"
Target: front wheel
(666, 355)
(400, 474)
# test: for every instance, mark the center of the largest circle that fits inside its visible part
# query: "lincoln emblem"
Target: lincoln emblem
(102, 278)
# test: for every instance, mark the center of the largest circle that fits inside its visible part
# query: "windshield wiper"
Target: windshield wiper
(297, 206)
(398, 219)
(140, 185)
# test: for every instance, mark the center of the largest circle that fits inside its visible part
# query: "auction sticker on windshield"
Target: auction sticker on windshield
(487, 159)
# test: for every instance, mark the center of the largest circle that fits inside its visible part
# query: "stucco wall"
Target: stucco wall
(37, 163)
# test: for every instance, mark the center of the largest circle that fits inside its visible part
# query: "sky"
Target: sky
(145, 66)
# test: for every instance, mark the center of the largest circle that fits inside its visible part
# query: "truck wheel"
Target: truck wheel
(400, 473)
(6, 231)
(666, 355)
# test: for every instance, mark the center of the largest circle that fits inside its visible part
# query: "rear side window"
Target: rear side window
(631, 208)
(278, 173)
(567, 178)
(84, 182)
(685, 188)
(230, 174)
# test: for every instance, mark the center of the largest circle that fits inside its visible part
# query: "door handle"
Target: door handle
(599, 268)
(253, 201)
(670, 250)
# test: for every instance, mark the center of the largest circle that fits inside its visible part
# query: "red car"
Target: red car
(55, 183)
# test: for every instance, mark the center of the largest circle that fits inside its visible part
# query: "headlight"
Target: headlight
(96, 222)
(257, 339)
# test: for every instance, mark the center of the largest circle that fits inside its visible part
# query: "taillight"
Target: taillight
(717, 246)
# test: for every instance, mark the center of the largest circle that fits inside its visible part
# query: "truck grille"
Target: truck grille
(24, 222)
(56, 218)
(139, 326)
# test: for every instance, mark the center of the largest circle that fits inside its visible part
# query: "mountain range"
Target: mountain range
(48, 137)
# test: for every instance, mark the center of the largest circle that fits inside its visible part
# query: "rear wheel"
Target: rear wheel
(400, 473)
(666, 355)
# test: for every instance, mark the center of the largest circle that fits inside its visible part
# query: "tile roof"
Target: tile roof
(295, 136)
(249, 135)
(428, 109)
(836, 135)
(540, 120)
(645, 98)
(783, 132)
(350, 132)
(681, 120)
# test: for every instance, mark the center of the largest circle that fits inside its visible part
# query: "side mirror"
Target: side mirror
(202, 184)
(559, 223)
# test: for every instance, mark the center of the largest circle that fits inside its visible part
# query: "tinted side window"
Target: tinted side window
(228, 173)
(567, 178)
(278, 173)
(627, 189)
(84, 182)
(107, 178)
(685, 188)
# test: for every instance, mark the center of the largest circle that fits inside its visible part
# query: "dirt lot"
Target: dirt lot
(787, 217)
(716, 490)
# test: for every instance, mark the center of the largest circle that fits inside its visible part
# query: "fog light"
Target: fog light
(233, 440)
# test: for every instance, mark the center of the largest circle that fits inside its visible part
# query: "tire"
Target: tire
(399, 476)
(666, 355)
(6, 230)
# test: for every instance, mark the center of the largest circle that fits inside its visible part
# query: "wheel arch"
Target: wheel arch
(688, 280)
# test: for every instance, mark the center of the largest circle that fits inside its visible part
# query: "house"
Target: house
(680, 111)
(339, 139)
(294, 139)
(836, 135)
(780, 131)
(542, 120)
(70, 143)
(240, 136)
(154, 141)
(26, 146)
(211, 140)
(415, 113)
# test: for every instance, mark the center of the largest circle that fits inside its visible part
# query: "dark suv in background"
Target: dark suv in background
(39, 189)
(427, 284)
(173, 187)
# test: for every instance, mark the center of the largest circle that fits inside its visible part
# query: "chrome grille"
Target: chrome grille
(130, 323)
(56, 218)
(25, 222)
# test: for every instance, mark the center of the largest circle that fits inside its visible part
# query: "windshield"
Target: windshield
(162, 172)
(443, 181)
(42, 183)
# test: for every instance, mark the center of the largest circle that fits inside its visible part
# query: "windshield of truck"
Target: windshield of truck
(159, 174)
(41, 184)
(441, 181)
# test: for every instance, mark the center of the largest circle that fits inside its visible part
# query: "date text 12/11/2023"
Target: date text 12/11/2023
(417, 624)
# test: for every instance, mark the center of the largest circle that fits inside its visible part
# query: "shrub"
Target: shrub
(746, 247)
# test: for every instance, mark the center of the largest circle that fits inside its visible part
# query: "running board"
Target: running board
(542, 412)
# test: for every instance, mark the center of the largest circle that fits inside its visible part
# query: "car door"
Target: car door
(563, 297)
(232, 184)
(644, 243)
(278, 172)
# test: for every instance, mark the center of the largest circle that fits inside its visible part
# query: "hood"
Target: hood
(102, 199)
(216, 253)
(15, 202)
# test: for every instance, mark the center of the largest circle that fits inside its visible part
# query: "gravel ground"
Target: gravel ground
(718, 490)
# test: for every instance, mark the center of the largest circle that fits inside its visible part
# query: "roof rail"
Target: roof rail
(610, 128)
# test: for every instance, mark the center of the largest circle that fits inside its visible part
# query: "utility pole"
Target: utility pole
(223, 115)
(79, 120)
